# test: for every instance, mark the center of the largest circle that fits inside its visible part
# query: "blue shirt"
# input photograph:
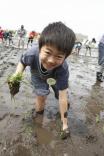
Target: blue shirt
(60, 73)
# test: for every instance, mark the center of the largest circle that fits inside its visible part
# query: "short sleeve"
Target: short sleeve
(28, 58)
(62, 76)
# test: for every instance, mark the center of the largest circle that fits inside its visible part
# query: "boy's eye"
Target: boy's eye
(59, 57)
(47, 52)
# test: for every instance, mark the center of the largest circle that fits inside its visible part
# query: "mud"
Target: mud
(21, 135)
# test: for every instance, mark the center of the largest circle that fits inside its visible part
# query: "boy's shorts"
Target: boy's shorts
(41, 88)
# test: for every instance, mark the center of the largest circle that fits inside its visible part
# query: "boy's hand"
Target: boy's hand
(14, 88)
(14, 83)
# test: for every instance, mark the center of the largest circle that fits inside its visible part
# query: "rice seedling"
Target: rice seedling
(14, 83)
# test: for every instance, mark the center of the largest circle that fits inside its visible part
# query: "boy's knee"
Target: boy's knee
(65, 114)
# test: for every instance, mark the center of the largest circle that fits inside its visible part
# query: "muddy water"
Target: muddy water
(21, 135)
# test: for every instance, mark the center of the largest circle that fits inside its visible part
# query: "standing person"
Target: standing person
(100, 73)
(1, 34)
(78, 46)
(21, 33)
(5, 37)
(32, 34)
(47, 62)
(10, 37)
(88, 47)
(93, 43)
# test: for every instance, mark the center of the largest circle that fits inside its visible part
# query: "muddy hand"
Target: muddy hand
(14, 88)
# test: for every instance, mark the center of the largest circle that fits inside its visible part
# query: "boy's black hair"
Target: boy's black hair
(58, 35)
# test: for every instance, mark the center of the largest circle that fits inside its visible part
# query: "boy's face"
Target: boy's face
(50, 57)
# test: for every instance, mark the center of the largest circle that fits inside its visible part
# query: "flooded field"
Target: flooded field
(21, 135)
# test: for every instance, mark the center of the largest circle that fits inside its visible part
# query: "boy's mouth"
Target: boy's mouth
(49, 66)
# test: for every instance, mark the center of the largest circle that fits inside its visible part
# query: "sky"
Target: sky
(82, 16)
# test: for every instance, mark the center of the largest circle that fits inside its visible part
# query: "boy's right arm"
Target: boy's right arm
(20, 68)
(14, 84)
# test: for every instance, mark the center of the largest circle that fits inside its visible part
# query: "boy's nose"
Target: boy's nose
(51, 60)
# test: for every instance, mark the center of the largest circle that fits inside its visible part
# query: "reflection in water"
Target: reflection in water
(39, 127)
(95, 103)
(44, 135)
(77, 123)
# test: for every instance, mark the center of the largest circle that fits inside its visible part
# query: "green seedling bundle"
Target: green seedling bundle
(14, 83)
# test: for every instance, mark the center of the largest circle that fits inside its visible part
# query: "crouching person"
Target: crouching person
(47, 61)
(100, 73)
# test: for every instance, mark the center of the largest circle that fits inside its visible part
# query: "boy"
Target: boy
(99, 75)
(47, 60)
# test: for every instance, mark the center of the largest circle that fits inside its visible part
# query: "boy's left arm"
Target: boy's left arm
(63, 104)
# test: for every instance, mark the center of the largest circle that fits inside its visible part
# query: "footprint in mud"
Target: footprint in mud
(80, 76)
(11, 63)
(91, 139)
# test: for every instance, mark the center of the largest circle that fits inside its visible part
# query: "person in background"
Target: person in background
(88, 47)
(100, 73)
(21, 34)
(32, 34)
(1, 34)
(5, 37)
(10, 37)
(78, 46)
(93, 42)
(48, 67)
